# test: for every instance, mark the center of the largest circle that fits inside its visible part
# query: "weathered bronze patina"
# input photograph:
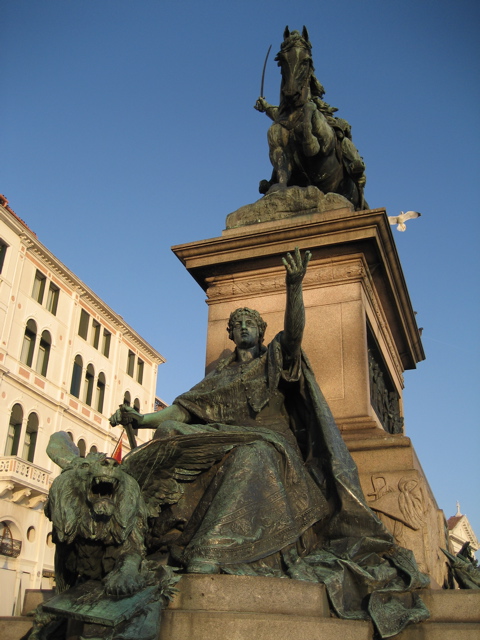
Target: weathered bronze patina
(308, 144)
(384, 401)
(99, 521)
(248, 474)
(464, 568)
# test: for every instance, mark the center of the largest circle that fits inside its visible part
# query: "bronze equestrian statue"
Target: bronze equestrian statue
(307, 144)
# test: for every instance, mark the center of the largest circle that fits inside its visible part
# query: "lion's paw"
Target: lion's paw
(120, 583)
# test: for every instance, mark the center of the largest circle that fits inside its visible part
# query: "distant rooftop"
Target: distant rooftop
(4, 203)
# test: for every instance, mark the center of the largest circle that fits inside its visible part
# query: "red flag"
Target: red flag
(117, 454)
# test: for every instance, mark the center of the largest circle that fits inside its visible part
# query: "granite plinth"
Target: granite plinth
(220, 607)
(241, 607)
(244, 607)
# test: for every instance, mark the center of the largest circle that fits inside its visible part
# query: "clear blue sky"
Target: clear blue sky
(129, 127)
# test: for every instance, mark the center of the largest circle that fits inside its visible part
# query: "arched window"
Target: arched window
(93, 449)
(82, 447)
(76, 376)
(43, 353)
(88, 389)
(127, 398)
(28, 345)
(14, 429)
(100, 392)
(30, 438)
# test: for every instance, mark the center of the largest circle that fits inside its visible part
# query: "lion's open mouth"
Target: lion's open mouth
(103, 487)
(102, 494)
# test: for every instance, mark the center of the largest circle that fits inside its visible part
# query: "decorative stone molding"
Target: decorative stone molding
(6, 487)
(20, 495)
(403, 500)
(383, 398)
(37, 501)
(270, 281)
(403, 503)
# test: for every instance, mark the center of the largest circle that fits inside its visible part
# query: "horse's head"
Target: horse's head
(295, 61)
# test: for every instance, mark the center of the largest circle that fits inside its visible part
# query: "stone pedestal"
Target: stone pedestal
(360, 336)
(247, 608)
(396, 488)
(224, 607)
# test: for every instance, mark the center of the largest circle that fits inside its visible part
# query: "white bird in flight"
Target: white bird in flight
(402, 218)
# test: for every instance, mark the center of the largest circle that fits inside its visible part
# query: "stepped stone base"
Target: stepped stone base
(211, 607)
(34, 597)
(14, 627)
(441, 631)
(204, 625)
(17, 627)
(247, 594)
(243, 607)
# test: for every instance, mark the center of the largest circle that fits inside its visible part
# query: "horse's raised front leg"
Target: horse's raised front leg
(321, 131)
(279, 155)
(310, 144)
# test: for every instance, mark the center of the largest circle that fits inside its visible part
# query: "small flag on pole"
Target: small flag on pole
(117, 452)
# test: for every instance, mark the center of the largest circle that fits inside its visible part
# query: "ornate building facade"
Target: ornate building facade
(66, 362)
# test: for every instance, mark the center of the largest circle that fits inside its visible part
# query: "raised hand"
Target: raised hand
(124, 416)
(261, 105)
(296, 266)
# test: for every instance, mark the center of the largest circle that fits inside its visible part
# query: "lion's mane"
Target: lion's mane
(72, 508)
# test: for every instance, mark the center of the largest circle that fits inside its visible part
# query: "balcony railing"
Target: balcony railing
(10, 547)
(26, 474)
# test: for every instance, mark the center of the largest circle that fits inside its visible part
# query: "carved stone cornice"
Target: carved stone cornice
(273, 281)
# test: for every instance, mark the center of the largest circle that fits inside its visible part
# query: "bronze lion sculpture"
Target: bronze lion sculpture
(99, 519)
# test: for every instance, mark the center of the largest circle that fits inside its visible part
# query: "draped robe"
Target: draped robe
(290, 502)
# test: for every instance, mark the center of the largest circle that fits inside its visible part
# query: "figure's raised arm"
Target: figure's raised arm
(125, 415)
(296, 267)
(265, 107)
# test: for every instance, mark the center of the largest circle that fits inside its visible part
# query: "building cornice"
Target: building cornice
(37, 250)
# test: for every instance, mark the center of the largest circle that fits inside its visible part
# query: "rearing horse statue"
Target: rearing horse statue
(308, 145)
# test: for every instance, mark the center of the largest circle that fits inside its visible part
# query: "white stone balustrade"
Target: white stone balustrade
(23, 475)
